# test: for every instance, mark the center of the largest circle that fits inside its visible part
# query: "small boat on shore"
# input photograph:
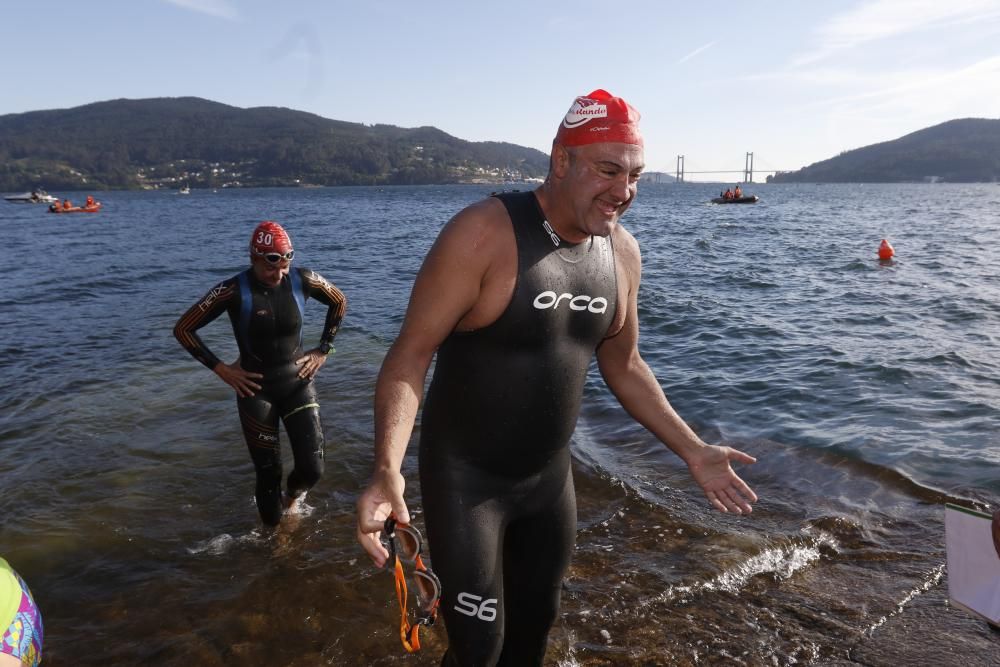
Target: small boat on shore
(34, 197)
(752, 199)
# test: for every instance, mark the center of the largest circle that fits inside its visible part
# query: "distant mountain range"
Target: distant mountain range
(169, 142)
(959, 151)
(657, 177)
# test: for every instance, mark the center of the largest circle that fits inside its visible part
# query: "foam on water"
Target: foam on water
(221, 544)
(932, 578)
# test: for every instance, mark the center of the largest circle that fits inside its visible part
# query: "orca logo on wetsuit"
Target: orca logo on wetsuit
(267, 437)
(549, 299)
(475, 606)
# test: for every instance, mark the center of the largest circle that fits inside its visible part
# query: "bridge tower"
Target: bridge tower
(679, 176)
(748, 168)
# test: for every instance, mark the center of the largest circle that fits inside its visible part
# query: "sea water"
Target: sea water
(868, 390)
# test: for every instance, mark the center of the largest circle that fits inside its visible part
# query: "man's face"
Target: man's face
(602, 179)
(270, 274)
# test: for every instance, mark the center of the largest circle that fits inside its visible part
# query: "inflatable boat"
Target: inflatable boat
(90, 208)
(752, 199)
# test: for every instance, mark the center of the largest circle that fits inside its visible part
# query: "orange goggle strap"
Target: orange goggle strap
(408, 634)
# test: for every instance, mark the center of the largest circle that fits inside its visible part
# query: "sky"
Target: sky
(792, 82)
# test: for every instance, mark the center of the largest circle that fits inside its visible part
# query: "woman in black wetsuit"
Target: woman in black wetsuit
(273, 376)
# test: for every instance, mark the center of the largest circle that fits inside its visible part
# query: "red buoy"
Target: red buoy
(885, 250)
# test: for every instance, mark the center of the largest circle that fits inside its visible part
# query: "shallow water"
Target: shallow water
(868, 390)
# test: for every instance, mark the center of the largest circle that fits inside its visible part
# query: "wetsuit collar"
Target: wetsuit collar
(557, 240)
(551, 232)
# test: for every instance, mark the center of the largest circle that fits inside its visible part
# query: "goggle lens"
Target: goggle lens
(408, 544)
(428, 590)
(275, 257)
(404, 541)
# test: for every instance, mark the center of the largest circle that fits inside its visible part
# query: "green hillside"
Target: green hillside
(168, 141)
(959, 151)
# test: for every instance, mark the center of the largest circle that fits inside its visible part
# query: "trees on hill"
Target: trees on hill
(146, 143)
(959, 151)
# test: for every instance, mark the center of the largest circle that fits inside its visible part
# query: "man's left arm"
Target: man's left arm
(636, 388)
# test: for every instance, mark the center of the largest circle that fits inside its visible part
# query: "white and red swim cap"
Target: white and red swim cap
(599, 117)
(268, 237)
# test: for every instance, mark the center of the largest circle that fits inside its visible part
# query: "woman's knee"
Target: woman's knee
(308, 469)
(308, 447)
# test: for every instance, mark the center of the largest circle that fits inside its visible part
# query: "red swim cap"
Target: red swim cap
(270, 237)
(599, 117)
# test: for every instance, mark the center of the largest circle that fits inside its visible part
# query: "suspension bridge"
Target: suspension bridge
(746, 172)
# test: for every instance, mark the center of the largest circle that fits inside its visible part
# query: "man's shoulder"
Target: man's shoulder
(475, 237)
(489, 209)
(624, 240)
(485, 218)
(627, 252)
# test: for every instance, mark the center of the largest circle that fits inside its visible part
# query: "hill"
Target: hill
(959, 151)
(657, 177)
(164, 142)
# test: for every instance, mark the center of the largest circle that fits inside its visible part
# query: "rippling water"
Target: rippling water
(868, 390)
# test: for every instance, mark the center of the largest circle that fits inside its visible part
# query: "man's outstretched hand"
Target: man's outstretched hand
(722, 486)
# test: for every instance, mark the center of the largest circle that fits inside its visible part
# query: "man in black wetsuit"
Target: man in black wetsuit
(273, 376)
(515, 297)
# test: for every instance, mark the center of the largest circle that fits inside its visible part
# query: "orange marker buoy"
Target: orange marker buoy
(885, 251)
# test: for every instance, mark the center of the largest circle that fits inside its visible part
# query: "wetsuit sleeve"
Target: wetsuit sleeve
(207, 309)
(319, 288)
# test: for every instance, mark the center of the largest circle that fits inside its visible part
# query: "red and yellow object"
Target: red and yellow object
(89, 208)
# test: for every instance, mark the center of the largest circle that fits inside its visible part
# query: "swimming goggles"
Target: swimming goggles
(405, 545)
(274, 257)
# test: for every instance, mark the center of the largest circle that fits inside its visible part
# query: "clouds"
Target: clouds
(926, 97)
(840, 79)
(696, 52)
(302, 48)
(222, 9)
(885, 19)
(911, 63)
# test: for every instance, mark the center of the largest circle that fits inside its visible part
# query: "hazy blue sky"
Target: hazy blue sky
(794, 82)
